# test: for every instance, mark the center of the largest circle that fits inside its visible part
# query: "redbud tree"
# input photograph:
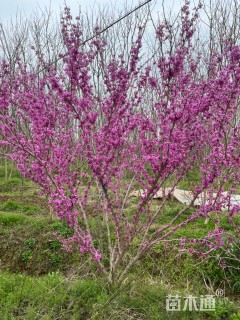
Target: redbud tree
(150, 123)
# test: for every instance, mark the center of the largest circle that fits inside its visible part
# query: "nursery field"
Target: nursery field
(40, 280)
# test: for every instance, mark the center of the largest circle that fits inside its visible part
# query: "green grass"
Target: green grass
(40, 280)
(193, 177)
(11, 219)
(12, 205)
(54, 296)
(14, 172)
(10, 185)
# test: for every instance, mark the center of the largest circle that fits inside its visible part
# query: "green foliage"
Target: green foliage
(214, 272)
(54, 244)
(48, 297)
(196, 229)
(30, 209)
(61, 228)
(143, 299)
(228, 257)
(193, 177)
(10, 205)
(56, 297)
(14, 171)
(11, 219)
(26, 256)
(236, 286)
(10, 185)
(27, 245)
(55, 259)
(172, 208)
(128, 175)
(30, 243)
(224, 309)
(235, 316)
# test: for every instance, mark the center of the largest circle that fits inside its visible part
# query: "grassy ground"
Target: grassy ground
(39, 280)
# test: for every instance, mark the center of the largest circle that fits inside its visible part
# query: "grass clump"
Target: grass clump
(10, 185)
(48, 297)
(11, 219)
(12, 205)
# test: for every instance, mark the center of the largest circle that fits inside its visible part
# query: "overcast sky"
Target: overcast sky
(9, 8)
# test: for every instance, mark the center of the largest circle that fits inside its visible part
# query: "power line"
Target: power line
(118, 20)
(103, 30)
